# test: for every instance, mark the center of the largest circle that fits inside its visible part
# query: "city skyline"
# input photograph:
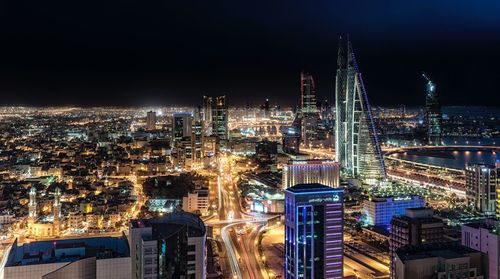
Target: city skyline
(170, 54)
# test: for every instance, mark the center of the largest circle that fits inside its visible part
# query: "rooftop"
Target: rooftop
(448, 250)
(313, 187)
(42, 252)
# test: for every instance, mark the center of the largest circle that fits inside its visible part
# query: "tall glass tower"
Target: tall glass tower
(432, 113)
(357, 147)
(308, 108)
(313, 232)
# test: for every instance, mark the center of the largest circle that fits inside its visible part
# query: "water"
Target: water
(461, 158)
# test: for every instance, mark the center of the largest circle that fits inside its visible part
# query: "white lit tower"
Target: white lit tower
(357, 147)
(56, 210)
(32, 206)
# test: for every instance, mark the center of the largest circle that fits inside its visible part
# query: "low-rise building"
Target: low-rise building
(440, 261)
(82, 258)
(484, 236)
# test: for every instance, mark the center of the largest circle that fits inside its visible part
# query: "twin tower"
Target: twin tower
(357, 147)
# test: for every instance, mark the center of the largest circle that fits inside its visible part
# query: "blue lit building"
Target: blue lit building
(379, 211)
(313, 232)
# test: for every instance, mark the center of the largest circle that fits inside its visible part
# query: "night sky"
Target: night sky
(150, 52)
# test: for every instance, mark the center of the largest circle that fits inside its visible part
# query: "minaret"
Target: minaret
(56, 210)
(32, 205)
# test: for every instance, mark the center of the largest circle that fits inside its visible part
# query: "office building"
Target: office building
(151, 121)
(266, 152)
(481, 187)
(357, 146)
(438, 260)
(484, 236)
(198, 135)
(379, 211)
(220, 118)
(80, 258)
(182, 126)
(326, 172)
(196, 202)
(433, 116)
(309, 113)
(291, 140)
(417, 226)
(172, 246)
(207, 114)
(313, 232)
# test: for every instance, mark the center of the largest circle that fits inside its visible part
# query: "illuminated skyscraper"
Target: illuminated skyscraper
(220, 118)
(207, 114)
(308, 108)
(357, 147)
(432, 113)
(182, 125)
(151, 121)
(326, 172)
(481, 182)
(313, 232)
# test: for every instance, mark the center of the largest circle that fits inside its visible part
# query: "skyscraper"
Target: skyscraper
(432, 113)
(220, 118)
(326, 172)
(207, 114)
(151, 121)
(313, 232)
(182, 125)
(357, 147)
(308, 108)
(481, 185)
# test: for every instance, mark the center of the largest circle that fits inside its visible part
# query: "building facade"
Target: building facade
(308, 108)
(313, 232)
(172, 246)
(445, 260)
(416, 227)
(481, 187)
(326, 172)
(379, 211)
(433, 116)
(357, 146)
(151, 121)
(484, 236)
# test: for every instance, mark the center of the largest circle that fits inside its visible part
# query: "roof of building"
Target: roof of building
(493, 225)
(178, 218)
(42, 252)
(313, 187)
(447, 250)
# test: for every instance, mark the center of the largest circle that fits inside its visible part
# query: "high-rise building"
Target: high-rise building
(172, 246)
(379, 211)
(207, 114)
(291, 140)
(266, 151)
(481, 186)
(267, 109)
(326, 172)
(220, 118)
(484, 236)
(433, 116)
(309, 113)
(313, 232)
(438, 260)
(182, 125)
(357, 146)
(198, 135)
(151, 121)
(417, 226)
